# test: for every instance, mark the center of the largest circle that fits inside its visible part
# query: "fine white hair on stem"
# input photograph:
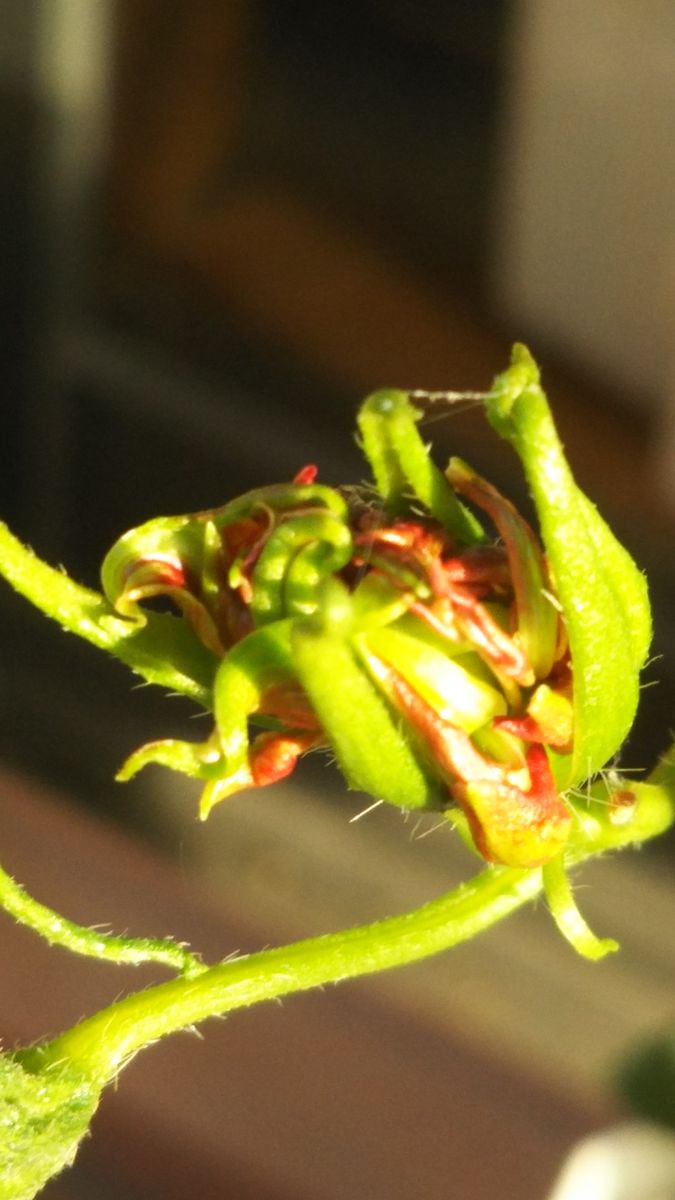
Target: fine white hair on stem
(364, 812)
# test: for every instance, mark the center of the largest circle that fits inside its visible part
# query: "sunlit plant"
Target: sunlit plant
(449, 658)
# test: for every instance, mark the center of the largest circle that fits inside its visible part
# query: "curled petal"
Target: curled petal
(300, 552)
(272, 756)
(152, 555)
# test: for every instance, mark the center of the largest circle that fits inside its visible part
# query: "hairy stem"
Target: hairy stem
(95, 943)
(102, 1044)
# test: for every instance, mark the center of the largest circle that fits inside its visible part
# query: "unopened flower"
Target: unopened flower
(419, 629)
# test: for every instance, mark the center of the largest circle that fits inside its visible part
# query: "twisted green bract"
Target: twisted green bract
(603, 594)
(298, 555)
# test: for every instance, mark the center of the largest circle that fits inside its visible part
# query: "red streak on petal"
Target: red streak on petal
(438, 617)
(451, 749)
(530, 730)
(508, 825)
(525, 728)
(489, 638)
(543, 783)
(513, 827)
(156, 571)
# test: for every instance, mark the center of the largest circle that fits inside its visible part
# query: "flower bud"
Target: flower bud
(419, 630)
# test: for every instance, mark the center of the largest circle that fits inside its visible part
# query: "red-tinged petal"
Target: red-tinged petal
(409, 552)
(537, 616)
(198, 617)
(145, 577)
(514, 827)
(288, 702)
(440, 617)
(525, 728)
(450, 749)
(163, 577)
(273, 756)
(488, 638)
(515, 815)
(549, 719)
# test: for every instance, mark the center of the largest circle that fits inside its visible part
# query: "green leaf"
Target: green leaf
(603, 594)
(43, 1118)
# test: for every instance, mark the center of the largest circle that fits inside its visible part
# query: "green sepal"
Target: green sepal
(403, 467)
(602, 593)
(370, 742)
(259, 661)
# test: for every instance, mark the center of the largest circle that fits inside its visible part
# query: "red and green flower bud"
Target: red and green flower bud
(442, 665)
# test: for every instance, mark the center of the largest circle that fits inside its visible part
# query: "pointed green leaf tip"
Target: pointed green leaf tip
(602, 592)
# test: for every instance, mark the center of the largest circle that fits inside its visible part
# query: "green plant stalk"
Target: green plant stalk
(103, 1043)
(163, 651)
(94, 943)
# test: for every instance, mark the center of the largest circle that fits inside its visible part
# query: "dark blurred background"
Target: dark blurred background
(224, 223)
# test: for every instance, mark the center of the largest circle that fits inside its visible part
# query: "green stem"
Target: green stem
(102, 1044)
(163, 651)
(95, 943)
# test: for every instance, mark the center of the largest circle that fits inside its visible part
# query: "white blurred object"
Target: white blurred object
(628, 1162)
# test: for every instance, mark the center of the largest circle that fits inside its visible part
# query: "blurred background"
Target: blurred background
(222, 225)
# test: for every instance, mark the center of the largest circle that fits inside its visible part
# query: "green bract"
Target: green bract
(602, 592)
